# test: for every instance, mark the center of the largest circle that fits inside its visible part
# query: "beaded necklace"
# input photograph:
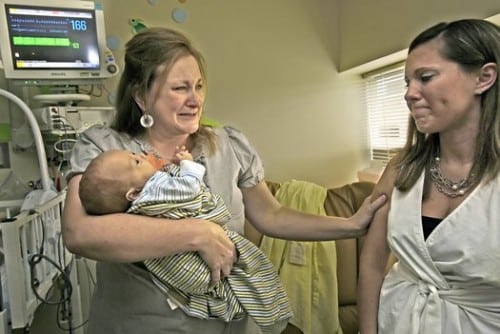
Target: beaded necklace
(446, 186)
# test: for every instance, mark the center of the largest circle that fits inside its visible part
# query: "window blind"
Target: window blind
(386, 111)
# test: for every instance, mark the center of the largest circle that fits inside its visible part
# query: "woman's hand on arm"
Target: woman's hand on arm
(268, 216)
(373, 260)
(365, 214)
(130, 238)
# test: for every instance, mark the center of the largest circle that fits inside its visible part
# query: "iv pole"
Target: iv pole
(40, 149)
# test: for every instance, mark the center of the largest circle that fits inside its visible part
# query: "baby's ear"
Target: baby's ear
(132, 194)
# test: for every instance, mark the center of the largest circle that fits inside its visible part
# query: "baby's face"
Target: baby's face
(135, 168)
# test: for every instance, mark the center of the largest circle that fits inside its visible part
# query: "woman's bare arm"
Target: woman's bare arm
(374, 258)
(269, 217)
(129, 238)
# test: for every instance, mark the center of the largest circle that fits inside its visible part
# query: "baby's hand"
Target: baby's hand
(183, 154)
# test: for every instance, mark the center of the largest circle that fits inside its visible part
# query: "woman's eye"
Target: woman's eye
(426, 77)
(180, 88)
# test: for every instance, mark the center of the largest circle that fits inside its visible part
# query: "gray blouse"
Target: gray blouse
(125, 299)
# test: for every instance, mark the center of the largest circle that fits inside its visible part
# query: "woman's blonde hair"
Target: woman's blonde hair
(146, 53)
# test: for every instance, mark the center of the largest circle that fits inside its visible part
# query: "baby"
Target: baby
(119, 181)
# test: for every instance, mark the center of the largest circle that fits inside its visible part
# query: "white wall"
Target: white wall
(382, 27)
(271, 73)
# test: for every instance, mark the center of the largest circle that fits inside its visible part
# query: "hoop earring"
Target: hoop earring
(147, 121)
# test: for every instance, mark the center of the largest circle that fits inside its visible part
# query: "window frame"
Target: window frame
(386, 112)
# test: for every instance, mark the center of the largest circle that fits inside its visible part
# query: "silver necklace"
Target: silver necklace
(446, 186)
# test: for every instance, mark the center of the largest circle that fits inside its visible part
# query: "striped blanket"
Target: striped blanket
(252, 288)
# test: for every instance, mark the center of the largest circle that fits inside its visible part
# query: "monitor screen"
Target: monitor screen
(54, 42)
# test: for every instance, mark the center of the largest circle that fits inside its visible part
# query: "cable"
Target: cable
(33, 261)
(66, 290)
(62, 142)
(63, 123)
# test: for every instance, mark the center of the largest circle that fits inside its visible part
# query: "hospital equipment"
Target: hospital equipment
(54, 42)
(58, 45)
(64, 120)
(32, 248)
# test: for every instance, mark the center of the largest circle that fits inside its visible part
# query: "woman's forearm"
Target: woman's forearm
(294, 225)
(125, 237)
(122, 238)
(269, 217)
(369, 284)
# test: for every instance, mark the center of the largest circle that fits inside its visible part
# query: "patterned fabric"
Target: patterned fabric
(180, 191)
(252, 288)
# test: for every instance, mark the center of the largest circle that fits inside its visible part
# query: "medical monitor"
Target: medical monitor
(54, 42)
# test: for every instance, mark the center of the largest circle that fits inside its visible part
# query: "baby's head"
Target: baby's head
(112, 180)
